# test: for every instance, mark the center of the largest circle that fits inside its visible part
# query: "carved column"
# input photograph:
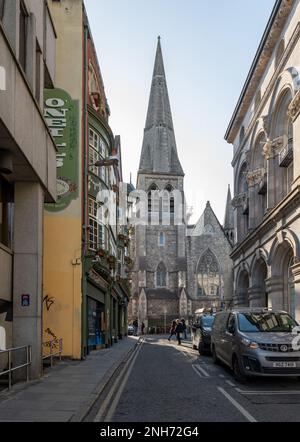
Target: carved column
(294, 112)
(275, 290)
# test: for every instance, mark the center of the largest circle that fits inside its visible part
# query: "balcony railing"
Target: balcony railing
(286, 155)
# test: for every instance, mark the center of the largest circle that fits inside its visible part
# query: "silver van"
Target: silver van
(256, 342)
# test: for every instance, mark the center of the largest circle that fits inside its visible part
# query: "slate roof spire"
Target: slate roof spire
(159, 151)
(229, 215)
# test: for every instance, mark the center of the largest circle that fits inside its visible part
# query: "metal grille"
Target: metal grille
(276, 347)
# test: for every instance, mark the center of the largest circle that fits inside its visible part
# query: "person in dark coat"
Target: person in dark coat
(143, 328)
(184, 328)
(172, 330)
(135, 326)
(178, 331)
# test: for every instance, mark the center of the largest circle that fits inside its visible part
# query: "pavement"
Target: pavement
(68, 391)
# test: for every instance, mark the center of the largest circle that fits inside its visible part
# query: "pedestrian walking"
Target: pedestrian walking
(142, 328)
(178, 331)
(184, 328)
(172, 330)
(135, 327)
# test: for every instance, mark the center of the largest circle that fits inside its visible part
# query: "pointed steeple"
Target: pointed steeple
(159, 152)
(229, 217)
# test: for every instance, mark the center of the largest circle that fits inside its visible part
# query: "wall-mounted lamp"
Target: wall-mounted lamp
(106, 162)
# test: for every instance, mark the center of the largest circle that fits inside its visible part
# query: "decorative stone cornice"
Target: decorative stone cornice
(294, 107)
(259, 68)
(272, 148)
(256, 176)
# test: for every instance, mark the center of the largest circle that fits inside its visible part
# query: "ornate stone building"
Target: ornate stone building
(178, 268)
(265, 133)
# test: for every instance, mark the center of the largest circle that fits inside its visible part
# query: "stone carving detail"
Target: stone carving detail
(272, 148)
(266, 124)
(256, 176)
(240, 200)
(294, 107)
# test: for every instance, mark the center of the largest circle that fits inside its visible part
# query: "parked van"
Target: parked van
(256, 342)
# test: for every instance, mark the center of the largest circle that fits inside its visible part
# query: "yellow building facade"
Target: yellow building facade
(62, 315)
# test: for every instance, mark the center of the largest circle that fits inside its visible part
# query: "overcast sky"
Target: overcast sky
(208, 48)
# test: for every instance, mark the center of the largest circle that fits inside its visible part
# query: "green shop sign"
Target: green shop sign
(62, 116)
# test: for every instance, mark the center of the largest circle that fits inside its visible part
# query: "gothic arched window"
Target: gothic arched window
(208, 275)
(161, 275)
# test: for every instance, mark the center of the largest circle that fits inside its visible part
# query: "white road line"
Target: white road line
(268, 393)
(230, 383)
(202, 371)
(196, 371)
(114, 387)
(238, 406)
(116, 400)
(221, 376)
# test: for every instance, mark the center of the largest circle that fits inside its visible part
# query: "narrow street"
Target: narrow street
(168, 383)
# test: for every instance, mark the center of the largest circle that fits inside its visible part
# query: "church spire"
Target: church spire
(229, 217)
(159, 152)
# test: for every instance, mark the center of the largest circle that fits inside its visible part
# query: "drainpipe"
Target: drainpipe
(85, 191)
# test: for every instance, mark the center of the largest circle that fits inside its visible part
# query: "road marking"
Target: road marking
(127, 368)
(221, 376)
(267, 393)
(201, 370)
(239, 407)
(196, 371)
(116, 400)
(230, 383)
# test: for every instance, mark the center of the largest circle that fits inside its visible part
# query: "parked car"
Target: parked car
(256, 342)
(130, 330)
(201, 333)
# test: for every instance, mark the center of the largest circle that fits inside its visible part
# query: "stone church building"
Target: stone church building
(178, 267)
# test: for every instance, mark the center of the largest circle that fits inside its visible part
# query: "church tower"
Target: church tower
(159, 277)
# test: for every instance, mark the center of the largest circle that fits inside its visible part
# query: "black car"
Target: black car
(201, 333)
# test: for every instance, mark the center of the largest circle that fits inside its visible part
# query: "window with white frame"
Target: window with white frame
(97, 149)
(96, 227)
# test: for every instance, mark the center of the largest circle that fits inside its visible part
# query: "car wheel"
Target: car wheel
(238, 372)
(215, 358)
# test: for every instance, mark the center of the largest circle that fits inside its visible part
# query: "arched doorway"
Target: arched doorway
(242, 289)
(259, 292)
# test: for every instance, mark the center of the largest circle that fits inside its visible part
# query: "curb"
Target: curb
(81, 414)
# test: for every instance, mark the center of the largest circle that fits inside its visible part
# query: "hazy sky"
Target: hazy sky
(208, 48)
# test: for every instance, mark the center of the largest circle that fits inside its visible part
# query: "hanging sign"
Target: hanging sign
(62, 116)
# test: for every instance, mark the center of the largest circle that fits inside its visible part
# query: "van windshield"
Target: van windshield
(266, 322)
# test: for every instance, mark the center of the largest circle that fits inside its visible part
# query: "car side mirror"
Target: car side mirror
(231, 329)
